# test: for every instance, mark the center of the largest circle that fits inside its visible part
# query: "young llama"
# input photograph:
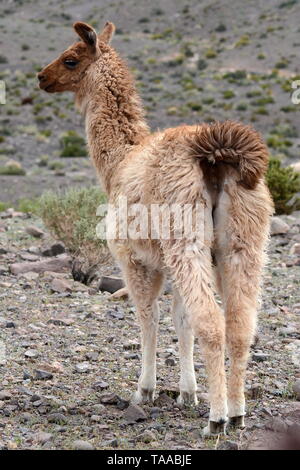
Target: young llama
(218, 171)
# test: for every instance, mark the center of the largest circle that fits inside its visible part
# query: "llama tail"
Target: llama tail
(232, 143)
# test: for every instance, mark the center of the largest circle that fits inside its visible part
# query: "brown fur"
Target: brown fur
(218, 166)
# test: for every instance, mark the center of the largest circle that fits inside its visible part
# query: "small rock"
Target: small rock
(170, 362)
(31, 353)
(30, 276)
(42, 437)
(82, 445)
(58, 264)
(57, 418)
(60, 285)
(101, 385)
(260, 357)
(228, 445)
(98, 408)
(4, 395)
(132, 346)
(278, 226)
(43, 375)
(110, 284)
(295, 250)
(3, 270)
(96, 418)
(119, 294)
(82, 367)
(10, 324)
(146, 437)
(255, 391)
(296, 389)
(55, 249)
(134, 414)
(109, 398)
(34, 231)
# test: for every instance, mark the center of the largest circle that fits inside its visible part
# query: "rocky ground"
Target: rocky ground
(193, 61)
(70, 356)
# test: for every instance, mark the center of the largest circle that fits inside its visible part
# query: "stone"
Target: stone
(43, 375)
(134, 414)
(31, 353)
(60, 285)
(54, 249)
(110, 284)
(57, 418)
(147, 436)
(58, 264)
(30, 276)
(101, 385)
(170, 362)
(260, 357)
(4, 395)
(278, 226)
(82, 367)
(35, 231)
(42, 437)
(296, 389)
(82, 445)
(228, 445)
(295, 249)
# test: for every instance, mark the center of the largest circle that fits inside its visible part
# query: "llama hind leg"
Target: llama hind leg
(144, 287)
(193, 276)
(241, 227)
(187, 384)
(240, 293)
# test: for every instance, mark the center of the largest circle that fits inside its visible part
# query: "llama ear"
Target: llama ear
(87, 34)
(107, 33)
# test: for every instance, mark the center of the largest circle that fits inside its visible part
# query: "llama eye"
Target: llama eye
(71, 64)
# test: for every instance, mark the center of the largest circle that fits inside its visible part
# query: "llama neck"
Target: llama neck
(114, 120)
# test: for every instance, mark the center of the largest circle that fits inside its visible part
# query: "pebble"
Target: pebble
(134, 414)
(296, 389)
(57, 418)
(82, 445)
(82, 367)
(278, 226)
(42, 437)
(43, 375)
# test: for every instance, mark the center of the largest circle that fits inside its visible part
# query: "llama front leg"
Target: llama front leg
(148, 319)
(187, 384)
(144, 286)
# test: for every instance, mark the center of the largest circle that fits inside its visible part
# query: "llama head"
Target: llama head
(66, 72)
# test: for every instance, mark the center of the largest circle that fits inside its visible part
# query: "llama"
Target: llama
(217, 167)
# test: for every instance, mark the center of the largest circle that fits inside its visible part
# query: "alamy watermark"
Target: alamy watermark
(151, 222)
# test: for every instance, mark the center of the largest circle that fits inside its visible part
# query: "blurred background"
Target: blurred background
(193, 61)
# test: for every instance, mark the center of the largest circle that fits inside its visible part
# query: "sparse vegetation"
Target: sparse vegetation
(73, 145)
(283, 183)
(71, 217)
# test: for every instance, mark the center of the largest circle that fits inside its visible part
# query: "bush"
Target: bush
(12, 169)
(71, 217)
(283, 183)
(73, 145)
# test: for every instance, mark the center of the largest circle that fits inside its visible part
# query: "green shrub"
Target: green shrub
(283, 183)
(73, 145)
(12, 170)
(71, 217)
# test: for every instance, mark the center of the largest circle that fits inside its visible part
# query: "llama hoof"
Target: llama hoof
(143, 395)
(214, 428)
(237, 422)
(187, 398)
